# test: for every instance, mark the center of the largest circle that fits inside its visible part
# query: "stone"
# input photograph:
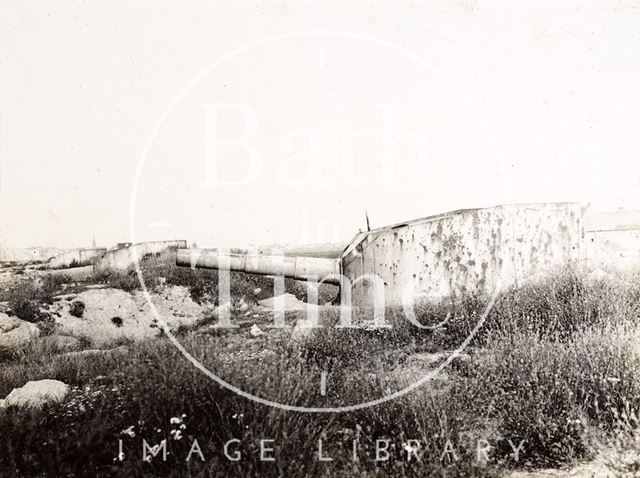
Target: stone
(36, 393)
(255, 331)
(15, 332)
(289, 302)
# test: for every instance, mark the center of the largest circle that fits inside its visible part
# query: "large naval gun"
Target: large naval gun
(430, 258)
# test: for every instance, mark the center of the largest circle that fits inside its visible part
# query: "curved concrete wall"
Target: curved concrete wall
(461, 251)
(123, 258)
(612, 238)
(620, 249)
(76, 258)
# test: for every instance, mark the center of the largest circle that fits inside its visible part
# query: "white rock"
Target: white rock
(255, 331)
(15, 332)
(599, 275)
(111, 314)
(288, 302)
(36, 393)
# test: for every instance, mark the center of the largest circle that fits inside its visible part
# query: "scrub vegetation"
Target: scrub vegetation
(554, 370)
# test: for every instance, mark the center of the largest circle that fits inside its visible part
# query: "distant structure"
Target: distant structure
(120, 257)
(76, 258)
(449, 254)
(28, 254)
(124, 254)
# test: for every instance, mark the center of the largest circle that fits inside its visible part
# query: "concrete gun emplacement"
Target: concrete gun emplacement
(446, 255)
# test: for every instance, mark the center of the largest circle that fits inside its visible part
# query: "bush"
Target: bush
(124, 280)
(553, 364)
(27, 299)
(520, 376)
(77, 308)
(47, 325)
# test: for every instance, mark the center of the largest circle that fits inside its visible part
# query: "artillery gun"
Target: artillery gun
(450, 254)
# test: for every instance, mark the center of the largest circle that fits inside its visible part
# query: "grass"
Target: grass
(27, 297)
(556, 364)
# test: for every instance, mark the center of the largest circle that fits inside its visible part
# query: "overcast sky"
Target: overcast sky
(114, 115)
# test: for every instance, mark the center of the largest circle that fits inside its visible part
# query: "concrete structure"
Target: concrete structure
(435, 257)
(612, 238)
(329, 250)
(75, 273)
(28, 254)
(461, 251)
(124, 257)
(76, 258)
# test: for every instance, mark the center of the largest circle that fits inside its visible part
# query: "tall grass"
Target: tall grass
(557, 364)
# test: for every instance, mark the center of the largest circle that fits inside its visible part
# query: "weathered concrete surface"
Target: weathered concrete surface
(124, 257)
(474, 250)
(620, 249)
(76, 258)
(468, 250)
(612, 238)
(36, 393)
(76, 273)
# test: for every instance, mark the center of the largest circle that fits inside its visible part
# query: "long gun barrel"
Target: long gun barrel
(318, 269)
